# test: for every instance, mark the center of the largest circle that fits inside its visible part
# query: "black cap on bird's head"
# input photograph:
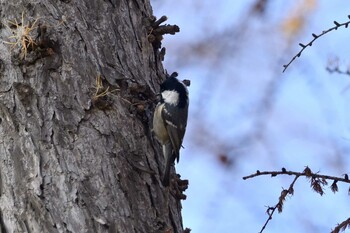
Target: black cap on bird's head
(169, 82)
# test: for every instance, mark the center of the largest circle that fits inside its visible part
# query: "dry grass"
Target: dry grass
(22, 35)
(100, 90)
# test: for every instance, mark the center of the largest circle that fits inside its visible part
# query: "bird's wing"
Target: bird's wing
(176, 126)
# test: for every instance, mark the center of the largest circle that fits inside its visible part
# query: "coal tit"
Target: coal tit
(170, 120)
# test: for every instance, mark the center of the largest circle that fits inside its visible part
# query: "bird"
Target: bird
(170, 121)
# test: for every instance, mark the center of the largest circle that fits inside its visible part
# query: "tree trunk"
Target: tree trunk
(77, 153)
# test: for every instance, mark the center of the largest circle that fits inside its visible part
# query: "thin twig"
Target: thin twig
(159, 21)
(291, 173)
(337, 70)
(315, 37)
(317, 183)
(342, 226)
(279, 205)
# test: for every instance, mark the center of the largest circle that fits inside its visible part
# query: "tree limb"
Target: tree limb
(317, 183)
(279, 205)
(291, 173)
(342, 226)
(315, 37)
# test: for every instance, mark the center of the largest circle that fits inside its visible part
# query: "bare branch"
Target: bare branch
(342, 226)
(291, 173)
(159, 21)
(279, 205)
(156, 30)
(315, 37)
(317, 183)
(337, 70)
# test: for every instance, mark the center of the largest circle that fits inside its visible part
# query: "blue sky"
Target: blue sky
(306, 123)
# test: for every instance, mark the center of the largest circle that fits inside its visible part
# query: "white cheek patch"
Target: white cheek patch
(171, 97)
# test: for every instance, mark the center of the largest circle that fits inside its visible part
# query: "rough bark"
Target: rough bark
(71, 162)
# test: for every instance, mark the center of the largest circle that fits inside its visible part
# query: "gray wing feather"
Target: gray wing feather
(176, 127)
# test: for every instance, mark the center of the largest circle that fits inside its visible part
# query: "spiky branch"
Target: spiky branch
(315, 37)
(337, 70)
(305, 173)
(342, 226)
(317, 183)
(279, 205)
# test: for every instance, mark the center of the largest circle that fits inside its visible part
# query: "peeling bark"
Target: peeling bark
(71, 161)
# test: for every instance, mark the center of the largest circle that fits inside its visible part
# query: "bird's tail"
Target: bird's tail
(170, 159)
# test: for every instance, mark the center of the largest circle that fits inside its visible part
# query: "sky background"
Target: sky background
(246, 115)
